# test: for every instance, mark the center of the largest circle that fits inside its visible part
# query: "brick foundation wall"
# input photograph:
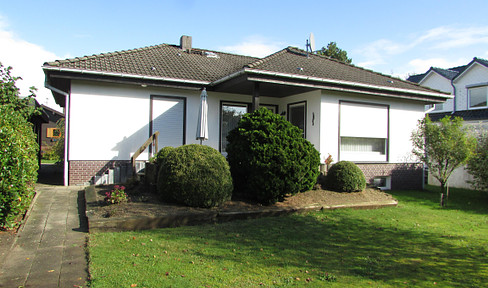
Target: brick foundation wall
(408, 176)
(81, 172)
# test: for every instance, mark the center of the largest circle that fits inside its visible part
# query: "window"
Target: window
(53, 133)
(363, 145)
(168, 117)
(297, 115)
(478, 97)
(363, 132)
(382, 182)
(439, 107)
(230, 114)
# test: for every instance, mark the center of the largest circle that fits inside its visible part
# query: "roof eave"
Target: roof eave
(443, 96)
(122, 75)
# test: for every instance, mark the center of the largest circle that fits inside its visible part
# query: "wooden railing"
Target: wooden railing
(152, 140)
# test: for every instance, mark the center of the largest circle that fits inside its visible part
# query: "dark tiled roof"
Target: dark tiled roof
(467, 115)
(294, 61)
(417, 77)
(449, 73)
(482, 61)
(164, 61)
(170, 62)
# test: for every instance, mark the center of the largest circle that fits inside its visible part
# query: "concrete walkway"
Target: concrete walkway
(49, 249)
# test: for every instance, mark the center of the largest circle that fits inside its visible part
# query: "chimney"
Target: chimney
(185, 43)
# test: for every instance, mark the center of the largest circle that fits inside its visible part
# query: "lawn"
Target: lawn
(417, 244)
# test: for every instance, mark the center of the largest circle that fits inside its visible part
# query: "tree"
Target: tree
(442, 146)
(335, 52)
(10, 94)
(478, 164)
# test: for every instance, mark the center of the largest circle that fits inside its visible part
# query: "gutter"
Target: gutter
(454, 98)
(330, 81)
(348, 83)
(198, 82)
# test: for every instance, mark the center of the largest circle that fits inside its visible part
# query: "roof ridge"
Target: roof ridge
(106, 54)
(360, 68)
(135, 50)
(265, 59)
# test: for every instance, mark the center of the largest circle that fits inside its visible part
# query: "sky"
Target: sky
(397, 38)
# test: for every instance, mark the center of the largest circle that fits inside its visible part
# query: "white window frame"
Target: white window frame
(387, 184)
(347, 132)
(470, 88)
(299, 104)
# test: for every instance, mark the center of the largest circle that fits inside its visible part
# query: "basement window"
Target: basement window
(382, 182)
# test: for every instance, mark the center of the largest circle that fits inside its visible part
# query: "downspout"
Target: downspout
(66, 127)
(455, 97)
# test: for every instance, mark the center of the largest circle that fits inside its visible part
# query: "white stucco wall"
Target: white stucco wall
(403, 119)
(458, 179)
(313, 124)
(438, 82)
(476, 74)
(111, 121)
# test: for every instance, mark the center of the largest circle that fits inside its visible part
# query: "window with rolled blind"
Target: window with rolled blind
(168, 117)
(363, 130)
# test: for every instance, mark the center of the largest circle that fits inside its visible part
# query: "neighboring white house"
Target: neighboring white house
(469, 86)
(115, 101)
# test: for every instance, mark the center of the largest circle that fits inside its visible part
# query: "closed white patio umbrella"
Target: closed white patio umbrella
(202, 125)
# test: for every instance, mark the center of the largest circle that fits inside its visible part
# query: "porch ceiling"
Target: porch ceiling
(244, 84)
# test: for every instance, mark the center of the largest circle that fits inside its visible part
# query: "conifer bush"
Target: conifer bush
(196, 176)
(345, 176)
(269, 158)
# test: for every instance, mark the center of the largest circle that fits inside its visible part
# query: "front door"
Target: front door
(297, 113)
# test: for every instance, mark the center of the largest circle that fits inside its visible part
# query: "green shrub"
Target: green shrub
(345, 176)
(18, 165)
(478, 165)
(195, 175)
(152, 168)
(18, 150)
(269, 158)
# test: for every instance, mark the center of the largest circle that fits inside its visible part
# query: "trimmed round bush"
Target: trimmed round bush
(196, 176)
(160, 156)
(345, 176)
(269, 158)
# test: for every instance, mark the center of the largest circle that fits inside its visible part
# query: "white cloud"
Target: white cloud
(425, 64)
(434, 47)
(453, 37)
(26, 60)
(255, 46)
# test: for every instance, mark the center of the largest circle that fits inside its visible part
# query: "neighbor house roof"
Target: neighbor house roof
(292, 67)
(450, 73)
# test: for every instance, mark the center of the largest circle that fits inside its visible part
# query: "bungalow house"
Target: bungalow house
(114, 101)
(468, 84)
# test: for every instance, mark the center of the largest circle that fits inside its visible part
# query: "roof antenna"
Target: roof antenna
(310, 45)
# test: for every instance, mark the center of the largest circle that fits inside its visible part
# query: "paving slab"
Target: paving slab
(49, 248)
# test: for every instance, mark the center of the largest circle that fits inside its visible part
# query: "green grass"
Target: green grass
(417, 244)
(47, 161)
